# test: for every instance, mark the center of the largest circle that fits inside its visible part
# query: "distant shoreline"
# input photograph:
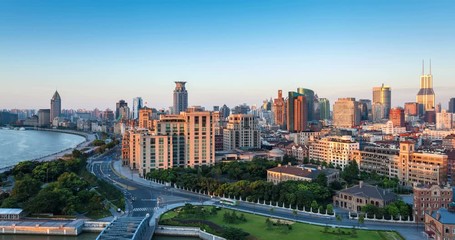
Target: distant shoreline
(54, 156)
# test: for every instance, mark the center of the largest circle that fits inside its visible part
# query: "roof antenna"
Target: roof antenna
(423, 67)
(430, 66)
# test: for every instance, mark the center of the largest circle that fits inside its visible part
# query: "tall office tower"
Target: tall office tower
(137, 104)
(438, 108)
(452, 105)
(444, 120)
(279, 110)
(241, 132)
(118, 105)
(216, 108)
(411, 109)
(225, 112)
(56, 106)
(316, 109)
(383, 95)
(346, 113)
(324, 108)
(296, 115)
(44, 117)
(309, 96)
(180, 98)
(124, 113)
(378, 112)
(145, 118)
(426, 97)
(397, 117)
(365, 110)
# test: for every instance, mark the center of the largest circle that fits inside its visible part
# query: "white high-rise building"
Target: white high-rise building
(241, 132)
(444, 120)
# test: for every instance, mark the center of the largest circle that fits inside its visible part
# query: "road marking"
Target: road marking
(142, 209)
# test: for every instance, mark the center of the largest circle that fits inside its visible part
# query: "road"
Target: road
(142, 198)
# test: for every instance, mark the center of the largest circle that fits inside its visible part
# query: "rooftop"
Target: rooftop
(445, 216)
(369, 191)
(10, 210)
(302, 171)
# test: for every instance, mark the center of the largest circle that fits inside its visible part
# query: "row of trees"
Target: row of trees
(53, 187)
(393, 210)
(225, 180)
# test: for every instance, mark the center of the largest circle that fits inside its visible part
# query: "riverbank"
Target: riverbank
(55, 155)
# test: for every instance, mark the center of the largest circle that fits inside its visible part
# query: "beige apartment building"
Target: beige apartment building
(241, 132)
(335, 150)
(185, 140)
(346, 113)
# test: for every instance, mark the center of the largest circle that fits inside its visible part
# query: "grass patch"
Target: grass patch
(258, 228)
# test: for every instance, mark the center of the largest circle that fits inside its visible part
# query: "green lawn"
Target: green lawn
(257, 228)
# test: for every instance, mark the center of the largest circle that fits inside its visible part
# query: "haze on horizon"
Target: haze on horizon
(229, 51)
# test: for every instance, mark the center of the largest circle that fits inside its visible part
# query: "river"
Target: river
(17, 146)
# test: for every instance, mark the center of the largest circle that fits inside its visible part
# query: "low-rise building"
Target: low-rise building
(430, 198)
(440, 224)
(11, 213)
(354, 198)
(300, 173)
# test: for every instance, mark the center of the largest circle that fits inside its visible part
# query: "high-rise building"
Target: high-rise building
(225, 112)
(279, 110)
(411, 109)
(241, 132)
(124, 113)
(426, 97)
(118, 105)
(309, 96)
(397, 117)
(378, 112)
(365, 109)
(324, 108)
(452, 105)
(145, 118)
(334, 150)
(137, 104)
(44, 117)
(296, 112)
(183, 140)
(180, 98)
(444, 120)
(56, 106)
(383, 96)
(346, 113)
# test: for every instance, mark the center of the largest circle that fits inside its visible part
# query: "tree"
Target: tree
(339, 218)
(361, 219)
(314, 206)
(232, 233)
(350, 172)
(25, 188)
(294, 212)
(329, 208)
(321, 179)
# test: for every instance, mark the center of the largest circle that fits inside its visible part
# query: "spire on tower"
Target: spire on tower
(423, 67)
(430, 66)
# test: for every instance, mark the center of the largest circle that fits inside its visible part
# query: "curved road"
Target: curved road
(142, 198)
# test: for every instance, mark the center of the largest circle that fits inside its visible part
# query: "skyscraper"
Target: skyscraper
(426, 97)
(411, 108)
(180, 98)
(241, 132)
(383, 96)
(137, 104)
(296, 112)
(118, 105)
(279, 110)
(346, 113)
(451, 105)
(309, 96)
(324, 108)
(56, 106)
(366, 113)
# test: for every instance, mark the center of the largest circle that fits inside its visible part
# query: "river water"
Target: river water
(16, 146)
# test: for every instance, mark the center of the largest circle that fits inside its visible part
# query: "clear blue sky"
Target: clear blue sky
(97, 52)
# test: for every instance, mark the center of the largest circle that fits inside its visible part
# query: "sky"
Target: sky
(97, 52)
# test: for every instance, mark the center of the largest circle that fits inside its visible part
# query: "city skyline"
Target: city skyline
(237, 48)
